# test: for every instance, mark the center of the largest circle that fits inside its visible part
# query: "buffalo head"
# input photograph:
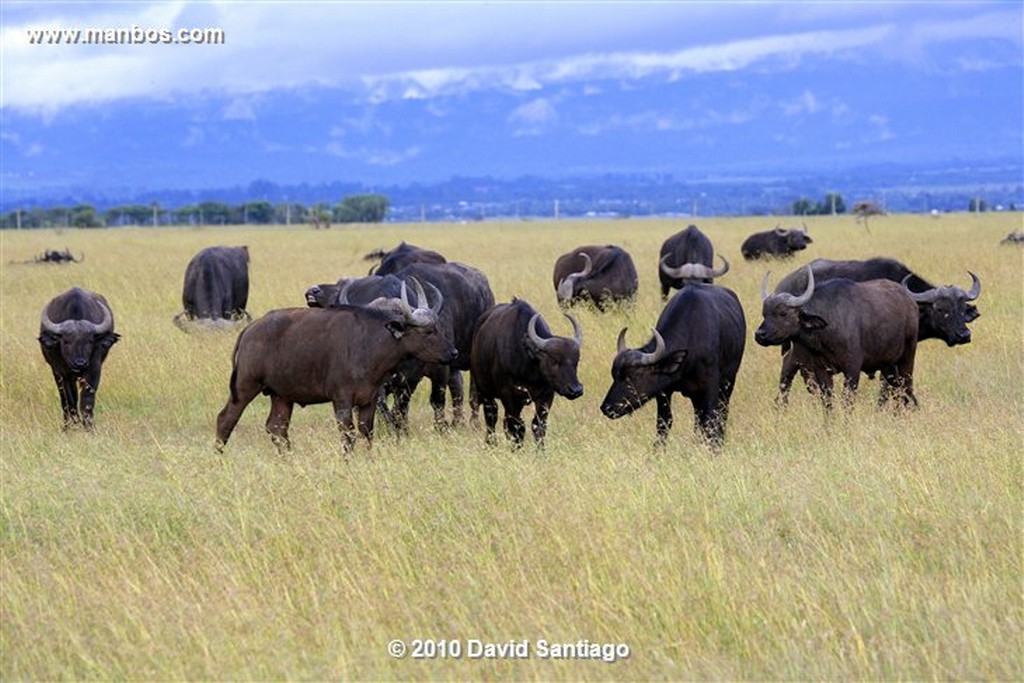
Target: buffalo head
(783, 317)
(558, 357)
(947, 310)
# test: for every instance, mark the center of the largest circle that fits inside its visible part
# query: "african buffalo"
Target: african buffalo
(943, 312)
(337, 355)
(685, 258)
(1015, 237)
(404, 255)
(216, 287)
(516, 360)
(76, 332)
(360, 291)
(848, 327)
(467, 294)
(780, 242)
(696, 351)
(596, 274)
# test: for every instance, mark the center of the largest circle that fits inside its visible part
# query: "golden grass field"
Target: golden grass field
(868, 545)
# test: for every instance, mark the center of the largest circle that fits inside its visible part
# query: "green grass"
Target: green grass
(864, 545)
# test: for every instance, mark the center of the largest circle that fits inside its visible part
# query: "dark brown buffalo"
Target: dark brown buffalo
(216, 286)
(404, 255)
(361, 291)
(848, 327)
(337, 355)
(780, 243)
(602, 275)
(943, 311)
(516, 360)
(76, 332)
(685, 258)
(696, 351)
(467, 294)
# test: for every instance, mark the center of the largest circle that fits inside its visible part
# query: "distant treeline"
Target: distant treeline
(365, 208)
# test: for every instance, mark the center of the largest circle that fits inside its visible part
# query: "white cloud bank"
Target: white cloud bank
(423, 50)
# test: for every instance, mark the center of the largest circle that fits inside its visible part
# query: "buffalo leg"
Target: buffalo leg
(366, 417)
(232, 411)
(490, 406)
(90, 385)
(458, 395)
(346, 425)
(707, 415)
(68, 390)
(790, 366)
(439, 378)
(515, 428)
(664, 418)
(278, 420)
(404, 389)
(540, 419)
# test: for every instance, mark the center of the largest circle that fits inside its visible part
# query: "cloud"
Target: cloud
(395, 51)
(534, 117)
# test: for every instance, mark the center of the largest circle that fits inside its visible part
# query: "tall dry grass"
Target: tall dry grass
(867, 545)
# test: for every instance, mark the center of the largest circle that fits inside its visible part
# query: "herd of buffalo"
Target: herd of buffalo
(364, 344)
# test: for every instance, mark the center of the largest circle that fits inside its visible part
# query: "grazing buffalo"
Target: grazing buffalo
(467, 295)
(1015, 237)
(943, 312)
(361, 290)
(404, 255)
(686, 258)
(780, 243)
(76, 332)
(600, 275)
(216, 286)
(696, 351)
(337, 355)
(516, 360)
(848, 327)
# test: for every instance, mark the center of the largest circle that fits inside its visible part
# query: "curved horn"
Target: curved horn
(975, 287)
(531, 332)
(588, 265)
(659, 350)
(687, 271)
(721, 271)
(577, 330)
(421, 296)
(797, 301)
(780, 231)
(105, 325)
(436, 308)
(403, 302)
(926, 297)
(342, 297)
(55, 328)
(764, 285)
(620, 345)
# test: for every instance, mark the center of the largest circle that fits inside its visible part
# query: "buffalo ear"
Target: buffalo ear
(670, 364)
(49, 340)
(396, 329)
(971, 313)
(108, 340)
(812, 322)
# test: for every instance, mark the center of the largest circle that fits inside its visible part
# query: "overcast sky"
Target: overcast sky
(534, 55)
(422, 49)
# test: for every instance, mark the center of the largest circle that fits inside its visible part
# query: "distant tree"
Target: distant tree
(803, 207)
(833, 204)
(363, 208)
(261, 212)
(216, 213)
(320, 216)
(977, 205)
(84, 216)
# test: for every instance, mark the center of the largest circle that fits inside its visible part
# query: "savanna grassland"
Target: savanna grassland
(865, 545)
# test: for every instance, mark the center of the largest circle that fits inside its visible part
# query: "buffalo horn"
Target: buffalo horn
(797, 301)
(659, 350)
(102, 327)
(531, 332)
(620, 346)
(577, 330)
(343, 292)
(975, 287)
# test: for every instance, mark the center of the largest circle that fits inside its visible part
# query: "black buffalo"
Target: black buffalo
(848, 327)
(1015, 237)
(780, 242)
(943, 312)
(687, 257)
(361, 290)
(76, 332)
(516, 360)
(404, 255)
(696, 351)
(337, 355)
(600, 275)
(467, 295)
(216, 287)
